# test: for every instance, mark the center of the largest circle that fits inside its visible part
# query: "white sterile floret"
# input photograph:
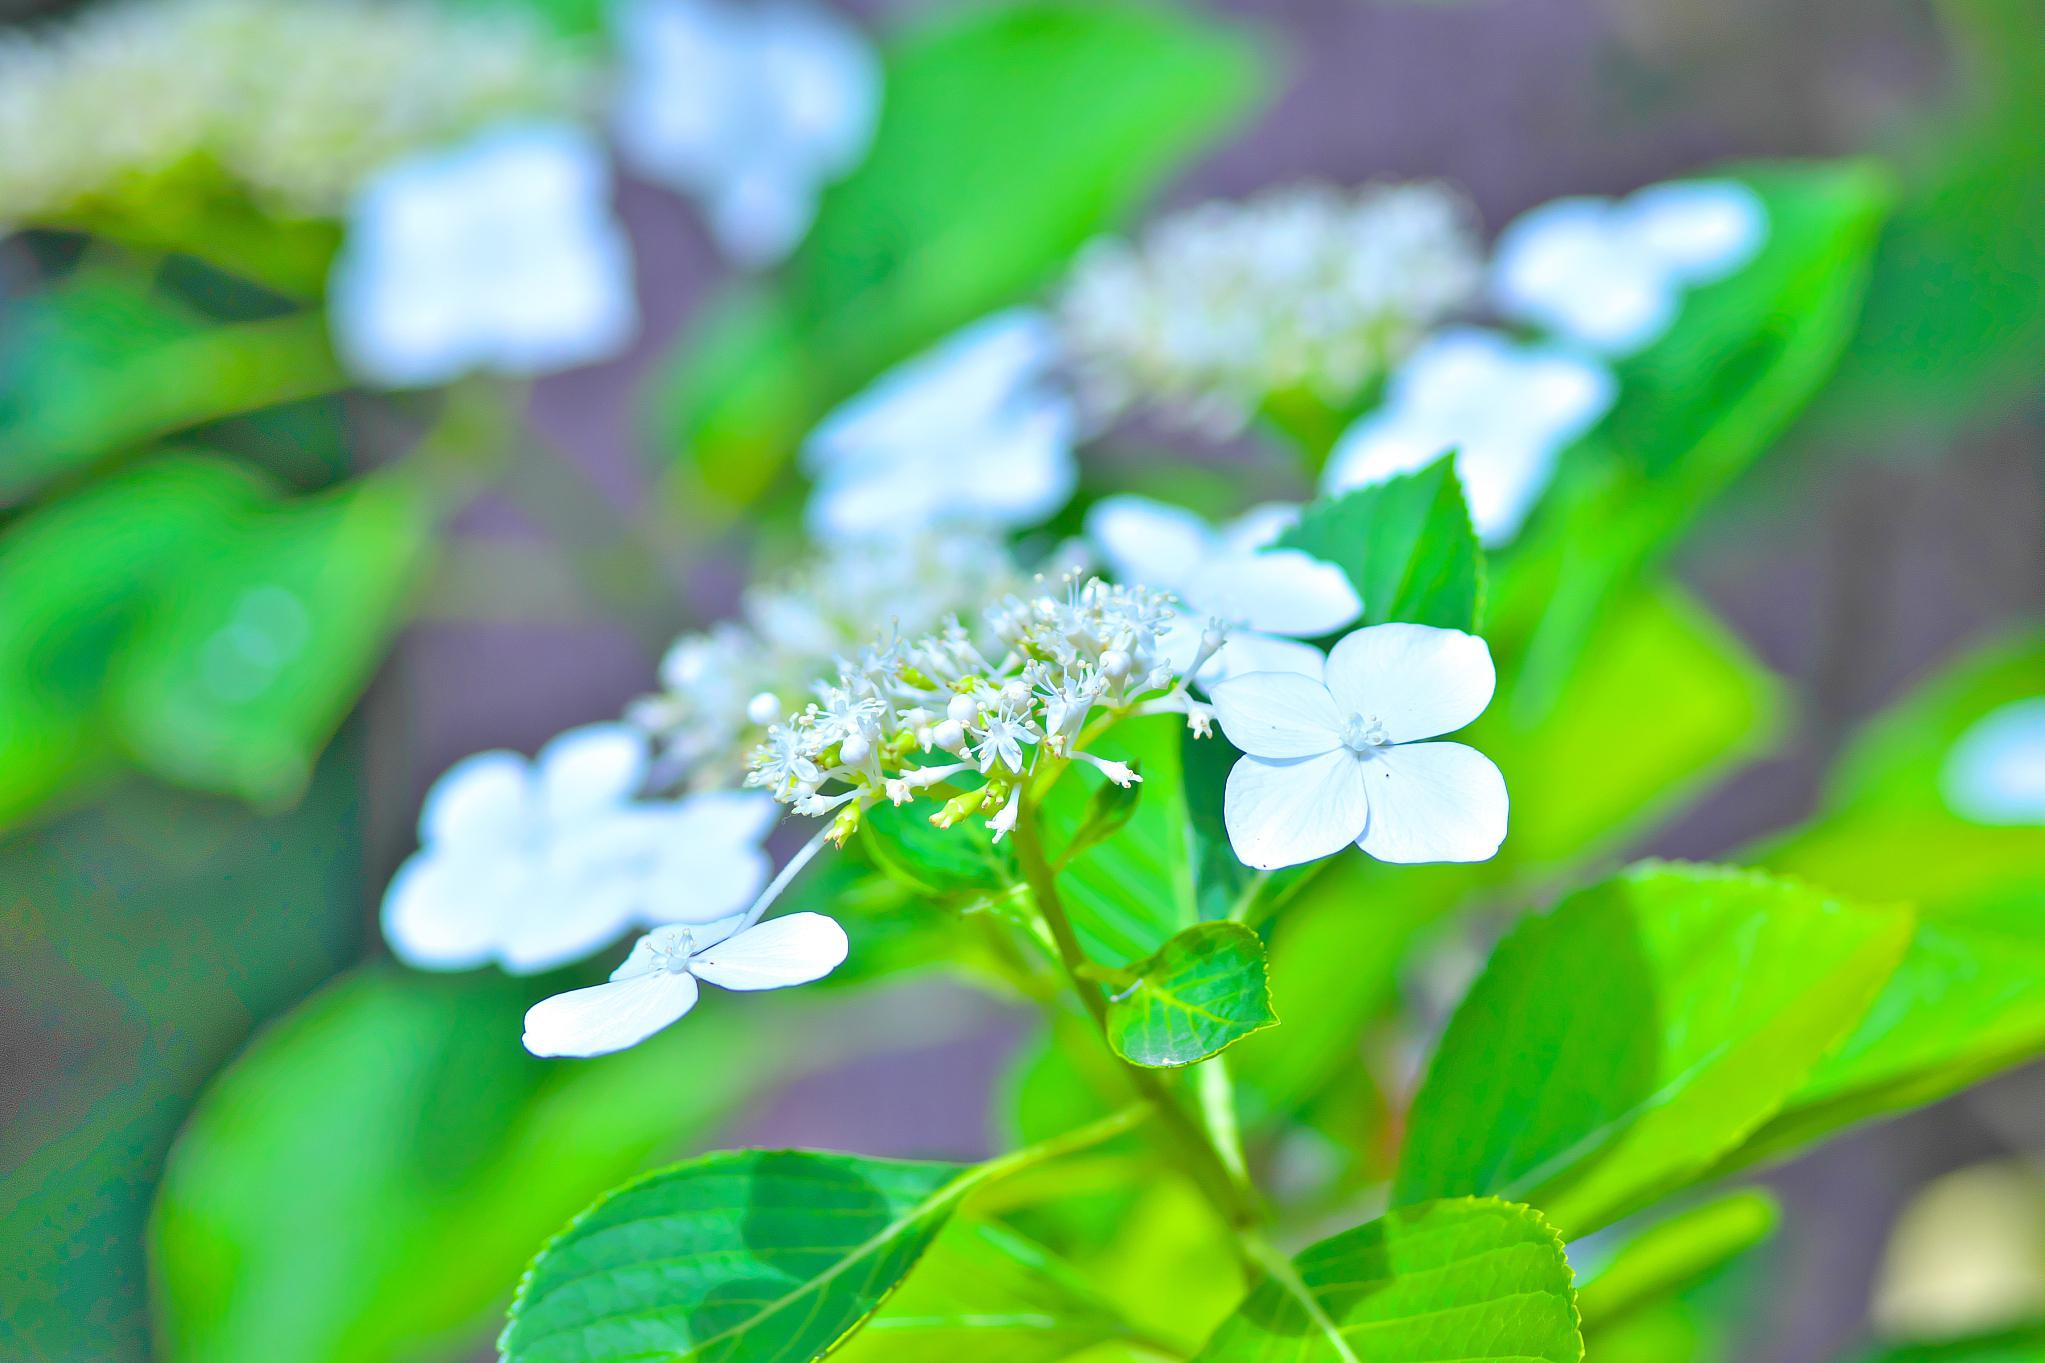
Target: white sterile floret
(1995, 773)
(1301, 289)
(1507, 410)
(1335, 762)
(533, 864)
(500, 253)
(1270, 598)
(752, 108)
(974, 433)
(1610, 274)
(657, 984)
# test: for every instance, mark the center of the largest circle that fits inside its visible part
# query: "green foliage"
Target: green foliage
(1406, 545)
(1010, 134)
(1462, 1278)
(2023, 1345)
(1200, 994)
(1657, 1020)
(755, 1255)
(961, 860)
(1672, 1254)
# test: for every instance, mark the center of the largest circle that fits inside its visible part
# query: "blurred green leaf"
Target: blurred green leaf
(1200, 994)
(2023, 1345)
(102, 361)
(368, 1179)
(960, 860)
(1223, 886)
(1466, 1278)
(1657, 1019)
(1010, 134)
(1673, 1253)
(1406, 545)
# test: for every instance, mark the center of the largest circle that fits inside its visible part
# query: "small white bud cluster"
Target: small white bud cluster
(1303, 287)
(942, 714)
(296, 101)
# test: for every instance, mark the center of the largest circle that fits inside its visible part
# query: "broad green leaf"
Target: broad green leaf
(1200, 994)
(1223, 887)
(1011, 133)
(989, 1294)
(398, 1123)
(1406, 545)
(1672, 1254)
(962, 859)
(2022, 1345)
(751, 1255)
(1655, 1021)
(1463, 1278)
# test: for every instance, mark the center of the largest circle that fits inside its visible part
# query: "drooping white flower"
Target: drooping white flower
(1270, 598)
(1610, 274)
(500, 253)
(657, 983)
(1995, 773)
(974, 433)
(1507, 410)
(533, 864)
(752, 108)
(1341, 761)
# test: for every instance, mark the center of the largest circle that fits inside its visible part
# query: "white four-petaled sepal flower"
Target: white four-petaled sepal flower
(657, 983)
(1995, 773)
(500, 253)
(1341, 761)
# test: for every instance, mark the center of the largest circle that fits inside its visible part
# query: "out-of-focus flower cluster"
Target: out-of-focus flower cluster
(725, 685)
(911, 717)
(1304, 287)
(297, 100)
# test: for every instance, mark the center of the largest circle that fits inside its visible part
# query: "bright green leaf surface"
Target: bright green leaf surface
(962, 859)
(2025, 1345)
(1465, 1278)
(1203, 992)
(1655, 1021)
(755, 1255)
(1406, 545)
(1672, 1254)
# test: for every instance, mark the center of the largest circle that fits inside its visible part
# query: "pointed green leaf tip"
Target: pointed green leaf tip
(1407, 547)
(1202, 992)
(1467, 1278)
(739, 1257)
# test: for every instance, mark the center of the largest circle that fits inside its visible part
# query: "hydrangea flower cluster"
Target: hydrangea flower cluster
(298, 100)
(1302, 287)
(967, 716)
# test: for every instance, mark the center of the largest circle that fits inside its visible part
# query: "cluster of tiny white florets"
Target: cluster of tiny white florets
(968, 714)
(722, 687)
(296, 101)
(1301, 288)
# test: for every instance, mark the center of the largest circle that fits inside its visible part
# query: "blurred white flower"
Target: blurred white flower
(750, 108)
(1332, 763)
(657, 983)
(974, 433)
(1995, 773)
(1269, 598)
(1508, 410)
(535, 864)
(1300, 288)
(498, 254)
(1610, 274)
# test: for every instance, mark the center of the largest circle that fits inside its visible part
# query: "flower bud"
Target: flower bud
(963, 709)
(1114, 663)
(854, 750)
(950, 735)
(764, 708)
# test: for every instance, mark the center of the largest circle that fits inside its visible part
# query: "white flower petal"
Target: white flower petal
(1278, 591)
(1282, 813)
(484, 798)
(567, 920)
(1256, 528)
(1995, 773)
(710, 862)
(1433, 802)
(608, 1017)
(1148, 542)
(592, 768)
(1278, 714)
(1699, 229)
(1572, 266)
(793, 949)
(1415, 680)
(1247, 652)
(438, 914)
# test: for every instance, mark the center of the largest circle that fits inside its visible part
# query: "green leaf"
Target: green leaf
(1199, 995)
(986, 1293)
(1466, 1278)
(1011, 133)
(396, 1118)
(1675, 1253)
(2025, 1344)
(1655, 1020)
(1406, 545)
(961, 860)
(1222, 886)
(754, 1254)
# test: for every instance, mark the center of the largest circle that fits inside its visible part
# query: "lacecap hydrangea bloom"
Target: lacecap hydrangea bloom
(1301, 288)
